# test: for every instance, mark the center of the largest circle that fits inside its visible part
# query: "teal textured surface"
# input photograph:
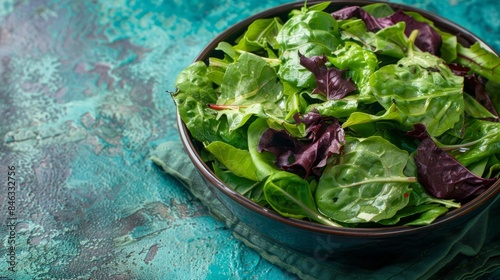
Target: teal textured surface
(83, 105)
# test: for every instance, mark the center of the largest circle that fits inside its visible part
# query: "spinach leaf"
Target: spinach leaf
(312, 33)
(194, 93)
(237, 116)
(477, 87)
(422, 208)
(424, 90)
(358, 63)
(494, 167)
(250, 79)
(291, 196)
(250, 86)
(366, 183)
(295, 101)
(427, 40)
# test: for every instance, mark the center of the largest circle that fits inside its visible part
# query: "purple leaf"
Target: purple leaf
(329, 81)
(443, 176)
(372, 23)
(419, 132)
(428, 39)
(325, 137)
(280, 143)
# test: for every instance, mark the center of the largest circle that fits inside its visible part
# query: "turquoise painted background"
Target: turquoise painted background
(83, 103)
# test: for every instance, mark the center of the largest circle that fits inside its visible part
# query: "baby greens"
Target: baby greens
(361, 117)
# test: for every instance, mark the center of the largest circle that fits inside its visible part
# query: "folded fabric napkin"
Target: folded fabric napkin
(474, 254)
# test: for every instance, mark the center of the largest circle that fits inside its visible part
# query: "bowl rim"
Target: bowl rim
(463, 35)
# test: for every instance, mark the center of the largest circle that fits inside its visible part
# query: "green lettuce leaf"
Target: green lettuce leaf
(312, 33)
(423, 89)
(366, 183)
(194, 93)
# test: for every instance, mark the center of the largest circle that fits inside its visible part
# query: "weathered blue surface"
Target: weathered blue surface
(83, 103)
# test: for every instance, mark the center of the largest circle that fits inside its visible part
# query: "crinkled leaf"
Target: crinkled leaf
(329, 81)
(194, 93)
(365, 184)
(312, 33)
(358, 63)
(250, 79)
(423, 89)
(250, 87)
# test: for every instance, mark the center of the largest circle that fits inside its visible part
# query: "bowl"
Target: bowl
(358, 245)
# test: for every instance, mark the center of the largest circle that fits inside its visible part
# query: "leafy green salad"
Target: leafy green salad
(367, 116)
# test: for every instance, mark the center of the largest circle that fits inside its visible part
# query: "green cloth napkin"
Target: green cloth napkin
(474, 254)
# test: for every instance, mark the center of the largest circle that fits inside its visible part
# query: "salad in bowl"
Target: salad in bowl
(366, 116)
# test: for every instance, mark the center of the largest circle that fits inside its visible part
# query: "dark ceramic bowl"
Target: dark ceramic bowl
(316, 240)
